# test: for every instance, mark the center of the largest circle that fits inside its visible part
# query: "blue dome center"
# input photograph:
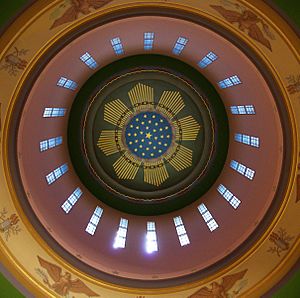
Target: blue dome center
(148, 135)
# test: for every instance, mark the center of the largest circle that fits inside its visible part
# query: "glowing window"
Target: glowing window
(207, 59)
(228, 196)
(243, 110)
(148, 40)
(94, 220)
(54, 112)
(72, 199)
(242, 169)
(120, 239)
(117, 45)
(89, 60)
(208, 218)
(57, 173)
(229, 82)
(181, 232)
(179, 45)
(50, 143)
(246, 139)
(66, 83)
(151, 238)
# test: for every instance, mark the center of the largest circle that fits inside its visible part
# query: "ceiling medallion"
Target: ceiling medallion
(148, 136)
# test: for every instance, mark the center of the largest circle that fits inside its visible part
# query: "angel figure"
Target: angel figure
(77, 7)
(247, 20)
(63, 284)
(219, 290)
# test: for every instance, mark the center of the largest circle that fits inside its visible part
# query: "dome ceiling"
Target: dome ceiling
(142, 131)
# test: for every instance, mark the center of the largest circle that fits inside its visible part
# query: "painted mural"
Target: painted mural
(62, 283)
(228, 287)
(293, 86)
(9, 224)
(75, 8)
(281, 242)
(14, 62)
(247, 21)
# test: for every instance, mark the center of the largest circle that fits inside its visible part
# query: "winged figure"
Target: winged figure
(219, 290)
(78, 7)
(247, 20)
(62, 282)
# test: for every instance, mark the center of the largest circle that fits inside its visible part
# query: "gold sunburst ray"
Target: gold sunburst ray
(126, 167)
(116, 113)
(170, 103)
(180, 158)
(155, 173)
(189, 128)
(110, 142)
(141, 97)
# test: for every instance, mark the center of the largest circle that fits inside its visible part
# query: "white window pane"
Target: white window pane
(94, 221)
(184, 240)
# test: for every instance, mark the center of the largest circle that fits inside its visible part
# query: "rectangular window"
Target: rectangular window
(72, 199)
(57, 173)
(246, 139)
(148, 40)
(243, 110)
(242, 169)
(54, 112)
(181, 232)
(120, 239)
(94, 220)
(89, 60)
(117, 45)
(208, 218)
(207, 59)
(50, 143)
(229, 82)
(66, 83)
(179, 45)
(228, 196)
(151, 238)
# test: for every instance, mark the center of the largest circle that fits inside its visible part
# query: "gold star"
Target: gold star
(145, 116)
(148, 135)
